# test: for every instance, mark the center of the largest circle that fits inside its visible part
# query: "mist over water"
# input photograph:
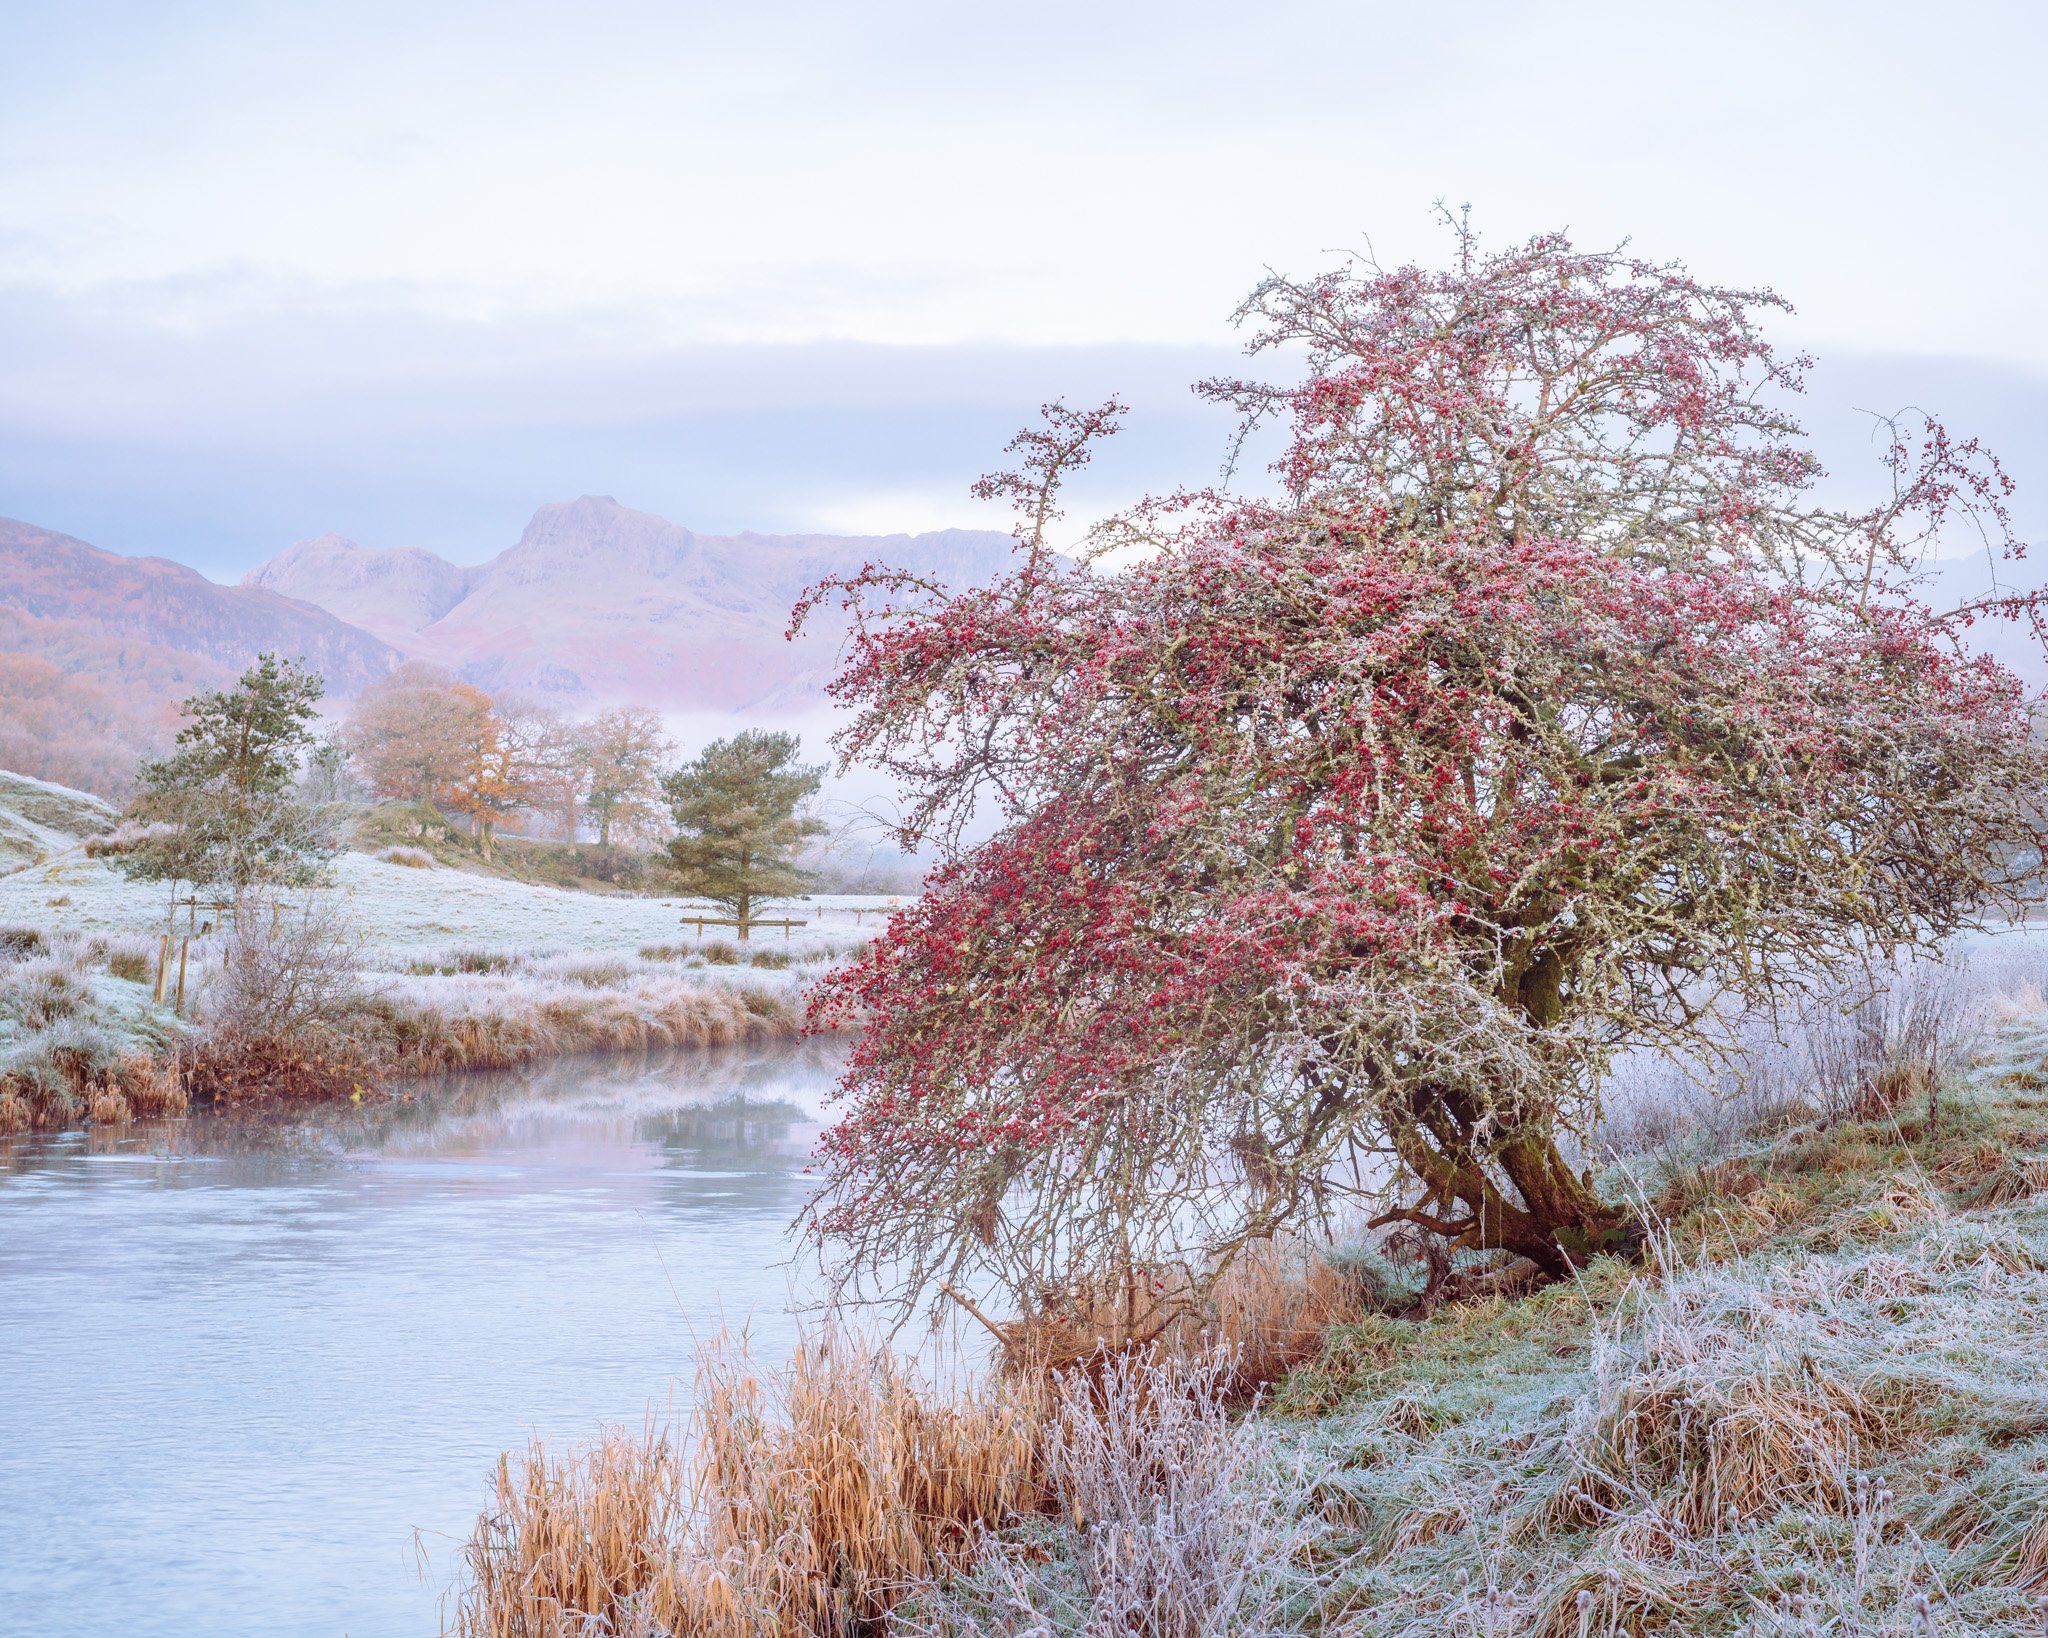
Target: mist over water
(242, 1361)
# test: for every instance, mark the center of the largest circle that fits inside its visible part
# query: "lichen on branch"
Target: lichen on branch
(1345, 833)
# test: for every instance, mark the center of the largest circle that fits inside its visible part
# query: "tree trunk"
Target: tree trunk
(1460, 1154)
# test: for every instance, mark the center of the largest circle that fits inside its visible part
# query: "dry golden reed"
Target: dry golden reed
(807, 1502)
(502, 1032)
(1266, 1313)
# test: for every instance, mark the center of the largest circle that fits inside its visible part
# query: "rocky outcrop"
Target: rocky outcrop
(597, 601)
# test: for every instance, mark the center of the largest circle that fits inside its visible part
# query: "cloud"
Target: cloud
(222, 442)
(910, 172)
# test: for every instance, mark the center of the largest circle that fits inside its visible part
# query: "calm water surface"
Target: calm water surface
(243, 1362)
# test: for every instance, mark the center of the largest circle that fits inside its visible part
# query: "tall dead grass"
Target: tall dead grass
(1266, 1313)
(812, 1501)
(482, 1023)
(77, 1075)
(844, 1498)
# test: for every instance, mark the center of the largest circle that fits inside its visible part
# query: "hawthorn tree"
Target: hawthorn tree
(1345, 833)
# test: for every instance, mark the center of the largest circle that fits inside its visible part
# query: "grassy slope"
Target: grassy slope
(1833, 1406)
(514, 858)
(38, 818)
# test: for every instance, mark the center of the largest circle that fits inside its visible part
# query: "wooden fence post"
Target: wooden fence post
(184, 950)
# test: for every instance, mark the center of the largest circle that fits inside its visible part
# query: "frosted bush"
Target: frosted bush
(35, 994)
(288, 970)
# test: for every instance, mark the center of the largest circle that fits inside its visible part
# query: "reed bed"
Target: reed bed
(812, 1500)
(846, 1497)
(498, 1021)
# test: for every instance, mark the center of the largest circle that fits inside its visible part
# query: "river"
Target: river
(255, 1373)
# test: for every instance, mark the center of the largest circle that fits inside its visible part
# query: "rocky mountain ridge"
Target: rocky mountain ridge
(597, 601)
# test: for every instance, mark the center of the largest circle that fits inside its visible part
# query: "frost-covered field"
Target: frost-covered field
(402, 913)
(451, 971)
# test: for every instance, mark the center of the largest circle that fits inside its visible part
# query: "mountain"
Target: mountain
(390, 594)
(80, 708)
(597, 602)
(152, 600)
(96, 650)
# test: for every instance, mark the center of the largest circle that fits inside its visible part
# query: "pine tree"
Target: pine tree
(735, 807)
(224, 801)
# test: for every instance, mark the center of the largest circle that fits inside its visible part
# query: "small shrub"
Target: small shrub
(1183, 1525)
(1177, 1545)
(126, 838)
(37, 994)
(616, 866)
(288, 971)
(134, 962)
(412, 858)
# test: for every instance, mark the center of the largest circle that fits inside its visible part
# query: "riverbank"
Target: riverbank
(1817, 1408)
(451, 971)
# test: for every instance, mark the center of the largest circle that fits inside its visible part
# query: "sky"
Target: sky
(409, 271)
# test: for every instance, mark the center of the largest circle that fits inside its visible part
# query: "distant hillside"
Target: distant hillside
(153, 600)
(597, 601)
(81, 708)
(37, 817)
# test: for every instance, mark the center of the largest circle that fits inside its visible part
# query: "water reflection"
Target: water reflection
(242, 1357)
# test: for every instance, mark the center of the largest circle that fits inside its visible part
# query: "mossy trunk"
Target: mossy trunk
(1489, 1190)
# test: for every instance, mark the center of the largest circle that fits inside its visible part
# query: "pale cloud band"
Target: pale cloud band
(406, 272)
